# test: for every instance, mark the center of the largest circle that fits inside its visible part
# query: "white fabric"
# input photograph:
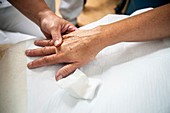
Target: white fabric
(79, 85)
(13, 37)
(12, 20)
(2, 35)
(13, 91)
(4, 3)
(71, 9)
(135, 79)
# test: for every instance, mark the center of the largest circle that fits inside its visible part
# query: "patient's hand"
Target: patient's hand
(77, 49)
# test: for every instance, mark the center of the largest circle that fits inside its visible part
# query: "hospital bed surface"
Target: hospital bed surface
(135, 78)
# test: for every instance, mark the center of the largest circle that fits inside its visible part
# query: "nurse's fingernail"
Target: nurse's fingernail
(56, 43)
(72, 28)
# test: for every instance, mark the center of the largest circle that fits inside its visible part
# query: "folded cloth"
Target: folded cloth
(79, 85)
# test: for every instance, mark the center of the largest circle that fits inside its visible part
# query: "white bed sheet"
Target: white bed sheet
(135, 79)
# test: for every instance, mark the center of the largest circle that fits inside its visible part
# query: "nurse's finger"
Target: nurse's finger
(41, 51)
(44, 43)
(44, 61)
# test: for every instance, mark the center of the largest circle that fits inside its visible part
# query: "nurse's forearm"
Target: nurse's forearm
(152, 25)
(35, 10)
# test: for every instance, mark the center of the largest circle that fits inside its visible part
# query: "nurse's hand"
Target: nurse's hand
(53, 27)
(77, 49)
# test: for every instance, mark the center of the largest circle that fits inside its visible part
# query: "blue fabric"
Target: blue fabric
(139, 4)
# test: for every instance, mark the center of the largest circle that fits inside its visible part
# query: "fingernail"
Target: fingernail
(72, 28)
(59, 77)
(27, 52)
(35, 42)
(29, 65)
(56, 43)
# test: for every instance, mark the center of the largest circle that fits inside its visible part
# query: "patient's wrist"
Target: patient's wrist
(100, 37)
(107, 36)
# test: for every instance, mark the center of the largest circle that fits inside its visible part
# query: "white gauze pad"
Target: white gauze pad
(79, 85)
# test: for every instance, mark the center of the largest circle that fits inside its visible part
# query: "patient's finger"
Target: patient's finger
(41, 51)
(44, 61)
(44, 43)
(65, 71)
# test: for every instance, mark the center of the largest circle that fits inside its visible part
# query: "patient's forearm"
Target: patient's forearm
(81, 46)
(33, 9)
(154, 24)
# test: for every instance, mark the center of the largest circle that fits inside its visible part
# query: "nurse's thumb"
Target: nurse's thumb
(65, 71)
(56, 36)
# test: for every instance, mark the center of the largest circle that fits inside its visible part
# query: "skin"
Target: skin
(50, 24)
(81, 46)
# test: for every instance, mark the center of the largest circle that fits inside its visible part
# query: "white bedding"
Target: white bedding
(135, 79)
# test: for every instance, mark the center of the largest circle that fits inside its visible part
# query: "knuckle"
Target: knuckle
(43, 50)
(53, 58)
(45, 60)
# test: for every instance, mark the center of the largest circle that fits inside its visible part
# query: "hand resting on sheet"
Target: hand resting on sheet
(75, 51)
(81, 46)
